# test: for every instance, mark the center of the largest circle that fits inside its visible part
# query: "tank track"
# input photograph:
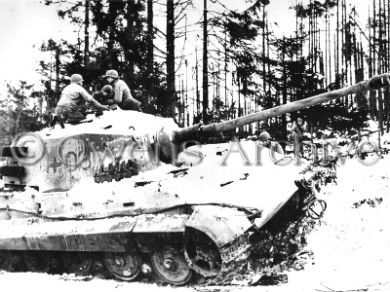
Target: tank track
(175, 265)
(169, 261)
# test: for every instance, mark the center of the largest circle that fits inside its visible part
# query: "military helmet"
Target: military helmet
(76, 78)
(264, 136)
(112, 73)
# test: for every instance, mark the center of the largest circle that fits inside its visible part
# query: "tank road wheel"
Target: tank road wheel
(204, 261)
(123, 266)
(202, 254)
(170, 266)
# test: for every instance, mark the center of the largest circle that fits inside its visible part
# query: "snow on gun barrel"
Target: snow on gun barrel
(99, 192)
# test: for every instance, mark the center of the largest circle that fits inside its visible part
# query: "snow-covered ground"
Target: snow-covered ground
(351, 245)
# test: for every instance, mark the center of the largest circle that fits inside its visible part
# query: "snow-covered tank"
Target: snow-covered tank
(128, 192)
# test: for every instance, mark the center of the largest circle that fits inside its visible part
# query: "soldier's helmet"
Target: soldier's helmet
(264, 136)
(76, 78)
(112, 73)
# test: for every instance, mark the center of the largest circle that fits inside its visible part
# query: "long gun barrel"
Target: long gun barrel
(373, 83)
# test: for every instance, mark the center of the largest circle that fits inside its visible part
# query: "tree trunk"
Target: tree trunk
(337, 63)
(197, 82)
(57, 93)
(375, 51)
(86, 34)
(129, 54)
(171, 98)
(111, 34)
(205, 65)
(226, 70)
(268, 93)
(372, 98)
(263, 51)
(150, 50)
(379, 67)
(284, 94)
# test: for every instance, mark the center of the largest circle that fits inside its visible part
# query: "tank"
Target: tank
(129, 193)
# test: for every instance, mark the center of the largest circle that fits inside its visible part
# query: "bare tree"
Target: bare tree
(171, 96)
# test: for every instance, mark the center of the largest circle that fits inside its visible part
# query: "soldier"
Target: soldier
(297, 131)
(105, 95)
(122, 94)
(265, 139)
(69, 107)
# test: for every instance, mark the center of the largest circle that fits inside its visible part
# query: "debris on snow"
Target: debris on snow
(370, 202)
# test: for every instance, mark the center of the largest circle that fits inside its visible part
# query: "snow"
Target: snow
(351, 245)
(131, 122)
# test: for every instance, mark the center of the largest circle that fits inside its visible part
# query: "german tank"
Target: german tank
(127, 192)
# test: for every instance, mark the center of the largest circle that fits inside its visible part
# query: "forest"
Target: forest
(205, 62)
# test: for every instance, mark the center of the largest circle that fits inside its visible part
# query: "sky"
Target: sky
(23, 27)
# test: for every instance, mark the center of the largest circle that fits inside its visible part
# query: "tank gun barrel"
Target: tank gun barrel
(374, 83)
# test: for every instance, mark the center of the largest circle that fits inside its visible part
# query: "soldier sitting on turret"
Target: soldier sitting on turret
(70, 105)
(122, 95)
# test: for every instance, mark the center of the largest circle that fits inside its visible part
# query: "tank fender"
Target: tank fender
(222, 224)
(150, 230)
(111, 234)
(160, 223)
